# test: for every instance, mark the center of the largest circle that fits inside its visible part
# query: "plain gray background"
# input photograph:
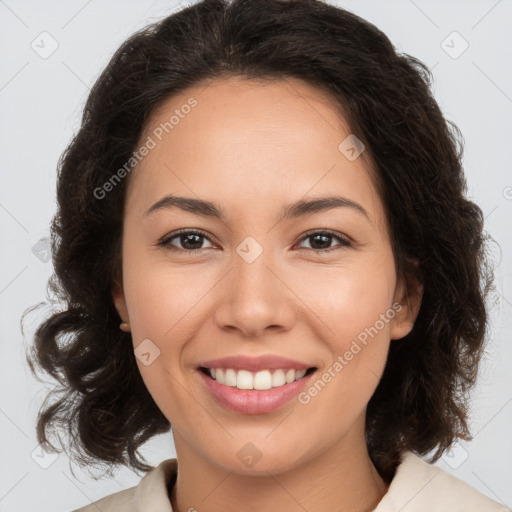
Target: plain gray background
(41, 97)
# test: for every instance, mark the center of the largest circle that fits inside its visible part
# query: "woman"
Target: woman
(262, 239)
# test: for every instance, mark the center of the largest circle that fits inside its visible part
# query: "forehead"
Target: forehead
(233, 137)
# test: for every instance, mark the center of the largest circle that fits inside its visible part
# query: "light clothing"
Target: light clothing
(416, 487)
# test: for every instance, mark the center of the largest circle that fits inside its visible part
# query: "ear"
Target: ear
(408, 294)
(120, 301)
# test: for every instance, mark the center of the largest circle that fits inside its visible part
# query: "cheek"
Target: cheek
(358, 346)
(162, 300)
(162, 305)
(162, 311)
(351, 298)
(358, 311)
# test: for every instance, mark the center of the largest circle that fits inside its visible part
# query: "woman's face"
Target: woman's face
(258, 284)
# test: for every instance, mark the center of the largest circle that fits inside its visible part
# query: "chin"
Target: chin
(251, 461)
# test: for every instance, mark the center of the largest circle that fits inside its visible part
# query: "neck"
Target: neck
(342, 478)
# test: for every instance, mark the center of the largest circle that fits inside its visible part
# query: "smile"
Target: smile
(261, 380)
(248, 392)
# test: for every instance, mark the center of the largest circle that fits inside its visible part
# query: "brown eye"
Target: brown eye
(321, 241)
(190, 241)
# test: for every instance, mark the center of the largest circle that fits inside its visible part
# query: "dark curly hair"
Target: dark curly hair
(437, 234)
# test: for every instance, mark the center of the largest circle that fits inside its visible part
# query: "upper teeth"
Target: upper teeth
(244, 379)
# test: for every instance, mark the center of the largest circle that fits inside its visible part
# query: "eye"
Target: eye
(321, 239)
(187, 238)
(190, 239)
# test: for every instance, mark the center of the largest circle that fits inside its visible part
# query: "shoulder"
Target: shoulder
(422, 487)
(150, 494)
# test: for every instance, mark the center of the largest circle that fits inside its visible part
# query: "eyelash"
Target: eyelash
(165, 241)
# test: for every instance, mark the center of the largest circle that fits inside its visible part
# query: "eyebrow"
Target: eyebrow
(290, 211)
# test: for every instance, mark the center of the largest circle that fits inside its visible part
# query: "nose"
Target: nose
(254, 298)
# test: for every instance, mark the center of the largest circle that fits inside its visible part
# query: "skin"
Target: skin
(251, 148)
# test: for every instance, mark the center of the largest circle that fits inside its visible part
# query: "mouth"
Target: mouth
(260, 392)
(261, 380)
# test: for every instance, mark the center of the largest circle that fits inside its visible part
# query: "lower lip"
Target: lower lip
(252, 401)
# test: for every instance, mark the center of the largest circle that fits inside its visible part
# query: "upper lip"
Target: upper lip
(265, 362)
